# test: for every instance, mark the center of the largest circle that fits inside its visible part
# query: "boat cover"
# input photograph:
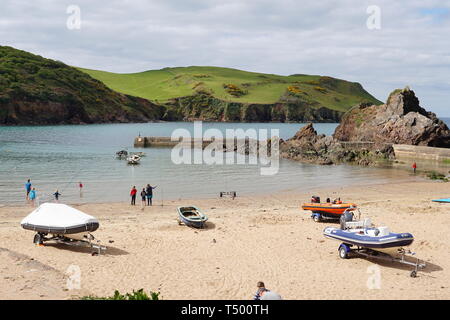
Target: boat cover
(58, 218)
(442, 200)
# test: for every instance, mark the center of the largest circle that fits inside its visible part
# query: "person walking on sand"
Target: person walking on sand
(133, 195)
(414, 166)
(57, 194)
(143, 198)
(28, 188)
(149, 191)
(33, 195)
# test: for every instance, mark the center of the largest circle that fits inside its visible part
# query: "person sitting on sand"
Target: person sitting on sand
(261, 291)
(265, 294)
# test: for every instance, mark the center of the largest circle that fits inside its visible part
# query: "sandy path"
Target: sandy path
(247, 240)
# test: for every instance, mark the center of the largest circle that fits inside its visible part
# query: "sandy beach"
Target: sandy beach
(249, 239)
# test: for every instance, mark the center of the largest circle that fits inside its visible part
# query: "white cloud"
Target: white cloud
(284, 37)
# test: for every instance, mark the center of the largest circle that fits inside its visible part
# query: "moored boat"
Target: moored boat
(134, 159)
(192, 216)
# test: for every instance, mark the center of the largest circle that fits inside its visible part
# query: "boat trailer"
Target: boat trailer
(86, 242)
(345, 249)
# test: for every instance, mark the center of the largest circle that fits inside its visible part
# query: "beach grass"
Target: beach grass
(135, 295)
(165, 84)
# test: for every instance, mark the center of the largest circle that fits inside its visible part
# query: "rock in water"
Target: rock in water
(400, 121)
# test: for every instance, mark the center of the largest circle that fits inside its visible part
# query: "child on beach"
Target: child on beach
(80, 185)
(57, 194)
(414, 166)
(28, 188)
(133, 195)
(32, 196)
(143, 196)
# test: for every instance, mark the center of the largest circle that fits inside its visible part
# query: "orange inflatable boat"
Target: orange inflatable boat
(328, 210)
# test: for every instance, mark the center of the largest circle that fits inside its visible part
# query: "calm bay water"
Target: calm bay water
(58, 157)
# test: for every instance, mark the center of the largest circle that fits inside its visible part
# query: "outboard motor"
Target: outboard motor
(347, 216)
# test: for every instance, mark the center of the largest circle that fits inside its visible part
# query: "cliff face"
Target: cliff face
(39, 91)
(400, 121)
(208, 108)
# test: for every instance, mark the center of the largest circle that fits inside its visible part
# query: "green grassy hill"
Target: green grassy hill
(36, 90)
(233, 85)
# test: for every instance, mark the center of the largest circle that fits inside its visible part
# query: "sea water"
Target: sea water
(59, 157)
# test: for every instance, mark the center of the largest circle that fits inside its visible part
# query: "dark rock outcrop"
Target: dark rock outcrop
(308, 146)
(400, 121)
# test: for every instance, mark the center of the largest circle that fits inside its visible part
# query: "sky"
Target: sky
(381, 44)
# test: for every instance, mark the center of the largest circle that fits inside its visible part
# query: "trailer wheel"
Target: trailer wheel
(413, 274)
(343, 251)
(37, 239)
(317, 217)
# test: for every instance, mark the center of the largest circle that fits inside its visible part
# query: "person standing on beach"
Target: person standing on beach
(414, 166)
(33, 195)
(80, 185)
(57, 194)
(133, 195)
(28, 188)
(149, 191)
(143, 196)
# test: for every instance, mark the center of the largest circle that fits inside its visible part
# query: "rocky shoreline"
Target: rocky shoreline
(367, 132)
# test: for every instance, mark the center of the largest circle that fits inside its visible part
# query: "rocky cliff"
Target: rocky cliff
(401, 120)
(203, 106)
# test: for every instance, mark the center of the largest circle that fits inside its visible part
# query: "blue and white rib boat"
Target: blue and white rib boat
(377, 239)
(360, 237)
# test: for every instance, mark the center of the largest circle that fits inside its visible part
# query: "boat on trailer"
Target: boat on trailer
(328, 210)
(63, 224)
(362, 238)
(192, 216)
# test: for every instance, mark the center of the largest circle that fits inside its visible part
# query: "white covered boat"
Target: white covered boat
(61, 223)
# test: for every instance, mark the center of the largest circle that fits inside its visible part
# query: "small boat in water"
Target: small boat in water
(327, 210)
(192, 216)
(122, 154)
(134, 159)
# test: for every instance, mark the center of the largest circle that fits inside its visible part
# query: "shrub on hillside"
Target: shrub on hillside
(234, 90)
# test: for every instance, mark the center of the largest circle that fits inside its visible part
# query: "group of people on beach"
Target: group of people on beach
(32, 193)
(146, 195)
